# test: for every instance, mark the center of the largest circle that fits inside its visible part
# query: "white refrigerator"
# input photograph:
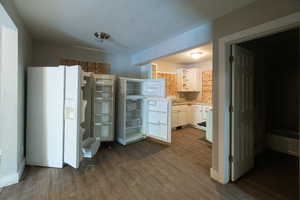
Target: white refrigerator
(143, 110)
(56, 111)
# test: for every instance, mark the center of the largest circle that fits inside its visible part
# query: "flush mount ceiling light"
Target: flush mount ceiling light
(102, 36)
(196, 55)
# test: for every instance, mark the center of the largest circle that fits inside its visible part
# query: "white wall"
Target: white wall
(49, 54)
(121, 66)
(15, 133)
(205, 65)
(8, 106)
(252, 15)
(164, 66)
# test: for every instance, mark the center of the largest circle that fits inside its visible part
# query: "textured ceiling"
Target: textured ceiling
(185, 57)
(136, 24)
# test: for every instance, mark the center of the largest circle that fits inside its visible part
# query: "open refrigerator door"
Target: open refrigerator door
(90, 142)
(72, 121)
(154, 87)
(158, 119)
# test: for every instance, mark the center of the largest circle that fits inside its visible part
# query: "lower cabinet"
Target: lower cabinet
(193, 115)
(189, 114)
(181, 115)
(175, 118)
(196, 115)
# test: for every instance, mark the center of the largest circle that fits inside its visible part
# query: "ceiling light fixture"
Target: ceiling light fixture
(102, 36)
(196, 55)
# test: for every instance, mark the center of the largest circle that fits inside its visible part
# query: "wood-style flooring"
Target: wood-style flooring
(144, 170)
(275, 176)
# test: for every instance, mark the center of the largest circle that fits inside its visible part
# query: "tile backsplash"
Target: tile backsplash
(207, 87)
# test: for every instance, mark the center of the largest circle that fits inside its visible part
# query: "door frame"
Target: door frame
(222, 174)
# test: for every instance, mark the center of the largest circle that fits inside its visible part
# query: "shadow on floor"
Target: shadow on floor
(276, 174)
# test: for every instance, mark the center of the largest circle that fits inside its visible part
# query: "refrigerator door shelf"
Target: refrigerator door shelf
(90, 147)
(104, 82)
(102, 99)
(158, 119)
(135, 97)
(103, 124)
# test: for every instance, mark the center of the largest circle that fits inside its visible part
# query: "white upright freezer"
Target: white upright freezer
(56, 109)
(143, 110)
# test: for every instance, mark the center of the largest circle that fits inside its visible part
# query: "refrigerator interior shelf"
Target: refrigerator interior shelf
(134, 97)
(134, 127)
(132, 111)
(103, 123)
(101, 114)
(158, 123)
(106, 92)
(102, 99)
(157, 111)
(104, 83)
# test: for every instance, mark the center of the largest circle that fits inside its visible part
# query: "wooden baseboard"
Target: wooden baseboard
(214, 174)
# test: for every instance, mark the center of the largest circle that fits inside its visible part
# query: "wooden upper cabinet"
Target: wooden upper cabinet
(97, 68)
(91, 67)
(101, 68)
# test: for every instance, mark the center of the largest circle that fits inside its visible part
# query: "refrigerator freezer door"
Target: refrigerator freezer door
(72, 136)
(45, 114)
(158, 117)
(154, 87)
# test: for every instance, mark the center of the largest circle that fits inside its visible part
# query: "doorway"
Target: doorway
(265, 112)
(188, 77)
(221, 148)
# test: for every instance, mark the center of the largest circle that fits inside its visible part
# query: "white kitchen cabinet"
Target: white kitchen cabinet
(196, 114)
(189, 80)
(175, 118)
(181, 115)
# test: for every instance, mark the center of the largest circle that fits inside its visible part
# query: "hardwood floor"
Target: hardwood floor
(144, 170)
(275, 175)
